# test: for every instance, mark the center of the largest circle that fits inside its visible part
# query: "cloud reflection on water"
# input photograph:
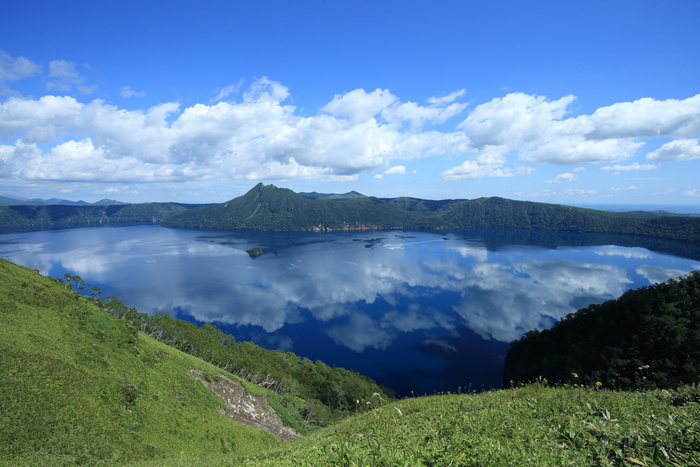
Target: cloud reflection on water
(364, 289)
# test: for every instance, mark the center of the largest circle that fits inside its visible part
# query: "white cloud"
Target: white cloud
(12, 69)
(563, 178)
(677, 150)
(64, 76)
(691, 193)
(576, 150)
(265, 89)
(227, 91)
(418, 115)
(126, 91)
(537, 131)
(439, 101)
(572, 193)
(358, 105)
(259, 138)
(263, 137)
(626, 188)
(514, 120)
(616, 169)
(642, 118)
(472, 169)
(395, 170)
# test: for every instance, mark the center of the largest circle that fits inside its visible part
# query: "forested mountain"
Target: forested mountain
(8, 201)
(272, 208)
(58, 215)
(649, 337)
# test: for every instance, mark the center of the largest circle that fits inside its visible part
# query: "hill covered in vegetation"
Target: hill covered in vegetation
(266, 207)
(271, 208)
(88, 380)
(64, 216)
(646, 338)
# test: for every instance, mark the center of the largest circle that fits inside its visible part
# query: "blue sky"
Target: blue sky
(583, 103)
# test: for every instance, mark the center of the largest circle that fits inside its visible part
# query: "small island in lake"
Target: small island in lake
(255, 252)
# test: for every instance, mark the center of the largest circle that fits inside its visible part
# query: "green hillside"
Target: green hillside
(534, 425)
(81, 386)
(646, 338)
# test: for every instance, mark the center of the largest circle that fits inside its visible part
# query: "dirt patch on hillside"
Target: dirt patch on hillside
(247, 409)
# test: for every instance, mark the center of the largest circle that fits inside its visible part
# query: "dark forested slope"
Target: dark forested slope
(58, 215)
(649, 337)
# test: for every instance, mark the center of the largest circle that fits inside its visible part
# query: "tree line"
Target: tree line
(646, 338)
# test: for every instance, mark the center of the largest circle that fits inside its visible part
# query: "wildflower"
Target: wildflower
(598, 385)
(575, 375)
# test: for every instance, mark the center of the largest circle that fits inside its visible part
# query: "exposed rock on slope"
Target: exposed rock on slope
(247, 409)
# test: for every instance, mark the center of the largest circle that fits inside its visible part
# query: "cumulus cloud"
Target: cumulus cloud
(263, 136)
(395, 170)
(563, 178)
(677, 150)
(691, 193)
(472, 169)
(536, 130)
(359, 105)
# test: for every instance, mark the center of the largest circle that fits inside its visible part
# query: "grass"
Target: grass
(80, 387)
(533, 425)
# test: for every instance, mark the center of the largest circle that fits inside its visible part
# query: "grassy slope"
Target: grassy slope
(79, 386)
(533, 425)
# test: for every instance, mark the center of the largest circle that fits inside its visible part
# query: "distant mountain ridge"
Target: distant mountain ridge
(267, 207)
(19, 201)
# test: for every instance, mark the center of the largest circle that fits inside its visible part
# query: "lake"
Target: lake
(417, 311)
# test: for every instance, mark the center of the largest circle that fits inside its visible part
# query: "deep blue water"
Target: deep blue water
(416, 311)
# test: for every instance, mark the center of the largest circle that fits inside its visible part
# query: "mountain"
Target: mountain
(266, 207)
(649, 337)
(19, 201)
(335, 196)
(58, 215)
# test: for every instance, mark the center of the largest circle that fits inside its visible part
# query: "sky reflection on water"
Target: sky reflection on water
(421, 311)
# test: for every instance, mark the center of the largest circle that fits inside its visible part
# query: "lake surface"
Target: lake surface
(416, 311)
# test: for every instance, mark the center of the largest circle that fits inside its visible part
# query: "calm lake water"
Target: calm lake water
(416, 311)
